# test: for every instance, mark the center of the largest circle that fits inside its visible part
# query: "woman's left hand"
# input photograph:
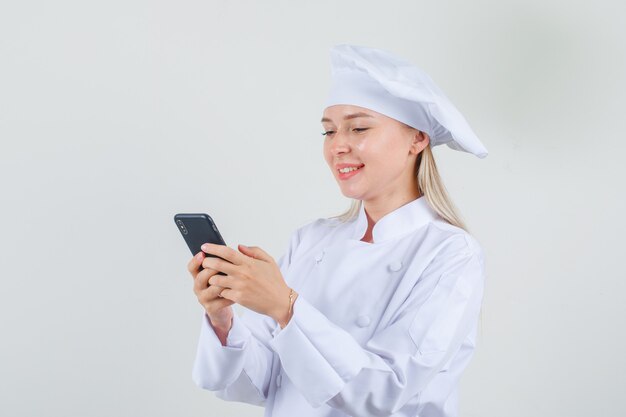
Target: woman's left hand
(253, 279)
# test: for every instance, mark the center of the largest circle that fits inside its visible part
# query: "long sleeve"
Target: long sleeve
(241, 370)
(327, 365)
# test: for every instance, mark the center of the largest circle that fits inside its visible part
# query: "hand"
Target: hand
(253, 279)
(218, 309)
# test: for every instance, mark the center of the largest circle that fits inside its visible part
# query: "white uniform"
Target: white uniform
(378, 329)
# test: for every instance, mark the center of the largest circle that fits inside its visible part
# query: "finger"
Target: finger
(194, 264)
(209, 294)
(224, 252)
(230, 294)
(211, 300)
(201, 282)
(224, 281)
(256, 253)
(214, 306)
(219, 265)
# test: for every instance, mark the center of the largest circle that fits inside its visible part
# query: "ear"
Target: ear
(420, 141)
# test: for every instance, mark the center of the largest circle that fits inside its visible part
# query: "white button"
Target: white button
(319, 257)
(363, 321)
(279, 379)
(395, 266)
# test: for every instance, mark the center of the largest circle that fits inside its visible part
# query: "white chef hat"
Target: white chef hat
(379, 81)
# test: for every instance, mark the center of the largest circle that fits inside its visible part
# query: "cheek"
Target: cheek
(374, 150)
(328, 157)
(385, 157)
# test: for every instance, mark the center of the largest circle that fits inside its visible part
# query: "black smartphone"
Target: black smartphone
(197, 229)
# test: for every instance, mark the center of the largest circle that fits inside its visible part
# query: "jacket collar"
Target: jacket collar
(398, 222)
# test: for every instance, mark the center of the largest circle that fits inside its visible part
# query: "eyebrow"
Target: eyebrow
(349, 116)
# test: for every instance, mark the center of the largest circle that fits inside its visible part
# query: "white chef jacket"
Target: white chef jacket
(378, 329)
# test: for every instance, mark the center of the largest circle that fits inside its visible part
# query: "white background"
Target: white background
(115, 115)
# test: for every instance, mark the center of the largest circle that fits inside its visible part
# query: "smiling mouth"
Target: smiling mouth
(349, 174)
(351, 168)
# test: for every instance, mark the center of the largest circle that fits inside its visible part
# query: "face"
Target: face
(384, 149)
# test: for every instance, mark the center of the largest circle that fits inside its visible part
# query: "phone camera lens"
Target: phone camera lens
(183, 229)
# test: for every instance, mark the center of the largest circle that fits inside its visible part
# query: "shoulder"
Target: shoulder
(454, 241)
(319, 226)
(326, 224)
(313, 232)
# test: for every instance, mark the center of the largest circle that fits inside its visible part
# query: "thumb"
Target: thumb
(255, 252)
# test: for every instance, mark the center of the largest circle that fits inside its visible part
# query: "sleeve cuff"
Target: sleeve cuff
(318, 356)
(238, 334)
(217, 366)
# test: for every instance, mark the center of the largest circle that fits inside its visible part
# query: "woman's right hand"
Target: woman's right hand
(218, 309)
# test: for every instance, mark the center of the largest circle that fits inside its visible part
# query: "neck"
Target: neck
(375, 210)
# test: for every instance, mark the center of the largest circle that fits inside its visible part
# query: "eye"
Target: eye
(328, 132)
(360, 129)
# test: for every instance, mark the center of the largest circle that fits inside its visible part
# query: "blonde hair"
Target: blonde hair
(429, 185)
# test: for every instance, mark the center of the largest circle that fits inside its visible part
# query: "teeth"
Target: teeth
(346, 170)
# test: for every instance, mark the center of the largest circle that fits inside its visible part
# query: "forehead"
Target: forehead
(340, 112)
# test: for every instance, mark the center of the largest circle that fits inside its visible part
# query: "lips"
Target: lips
(347, 165)
(345, 176)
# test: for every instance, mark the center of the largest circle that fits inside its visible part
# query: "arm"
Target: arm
(241, 369)
(327, 365)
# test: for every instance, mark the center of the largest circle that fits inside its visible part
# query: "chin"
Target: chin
(352, 194)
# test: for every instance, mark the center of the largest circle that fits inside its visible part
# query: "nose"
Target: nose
(339, 143)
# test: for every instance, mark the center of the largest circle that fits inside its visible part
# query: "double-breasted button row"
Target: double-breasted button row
(363, 321)
(319, 256)
(395, 266)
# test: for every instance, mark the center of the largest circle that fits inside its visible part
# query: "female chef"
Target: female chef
(373, 313)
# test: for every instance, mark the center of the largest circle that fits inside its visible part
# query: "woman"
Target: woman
(373, 313)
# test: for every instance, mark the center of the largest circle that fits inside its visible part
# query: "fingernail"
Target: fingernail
(205, 247)
(199, 255)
